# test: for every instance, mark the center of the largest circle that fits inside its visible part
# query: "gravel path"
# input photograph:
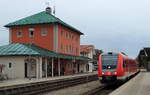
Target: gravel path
(76, 90)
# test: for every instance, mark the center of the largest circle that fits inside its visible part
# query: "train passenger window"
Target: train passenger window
(124, 65)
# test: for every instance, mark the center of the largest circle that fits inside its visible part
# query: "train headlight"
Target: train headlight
(115, 73)
(102, 73)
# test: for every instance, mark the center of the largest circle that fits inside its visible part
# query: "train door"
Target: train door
(125, 66)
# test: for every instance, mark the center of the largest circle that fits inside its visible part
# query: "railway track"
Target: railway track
(106, 89)
(103, 89)
(44, 87)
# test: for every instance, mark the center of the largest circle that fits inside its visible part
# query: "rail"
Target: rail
(47, 86)
(108, 88)
(103, 89)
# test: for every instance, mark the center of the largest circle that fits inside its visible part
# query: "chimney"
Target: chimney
(48, 10)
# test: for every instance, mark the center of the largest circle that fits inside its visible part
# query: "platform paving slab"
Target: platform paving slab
(14, 82)
(139, 85)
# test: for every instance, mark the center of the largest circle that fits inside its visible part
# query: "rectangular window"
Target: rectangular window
(72, 37)
(19, 33)
(31, 32)
(10, 65)
(64, 47)
(66, 35)
(61, 46)
(67, 49)
(61, 33)
(70, 48)
(44, 32)
(77, 50)
(77, 39)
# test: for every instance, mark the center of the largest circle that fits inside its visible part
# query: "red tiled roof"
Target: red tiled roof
(86, 48)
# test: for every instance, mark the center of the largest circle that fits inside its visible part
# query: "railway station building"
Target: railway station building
(40, 46)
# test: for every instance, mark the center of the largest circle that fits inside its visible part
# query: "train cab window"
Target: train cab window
(109, 61)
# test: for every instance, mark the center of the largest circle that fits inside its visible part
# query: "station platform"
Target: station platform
(16, 82)
(139, 85)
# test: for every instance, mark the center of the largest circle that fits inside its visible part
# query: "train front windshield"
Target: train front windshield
(109, 62)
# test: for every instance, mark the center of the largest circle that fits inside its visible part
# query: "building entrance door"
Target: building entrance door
(87, 67)
(78, 68)
(25, 70)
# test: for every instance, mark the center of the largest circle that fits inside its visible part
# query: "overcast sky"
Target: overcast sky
(110, 25)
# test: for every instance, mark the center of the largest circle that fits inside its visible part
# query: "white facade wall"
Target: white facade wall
(90, 55)
(17, 66)
(17, 69)
(82, 67)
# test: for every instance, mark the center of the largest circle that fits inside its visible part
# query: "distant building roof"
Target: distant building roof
(142, 53)
(41, 18)
(146, 51)
(26, 50)
(86, 48)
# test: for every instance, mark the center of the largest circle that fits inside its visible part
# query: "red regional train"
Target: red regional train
(116, 66)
